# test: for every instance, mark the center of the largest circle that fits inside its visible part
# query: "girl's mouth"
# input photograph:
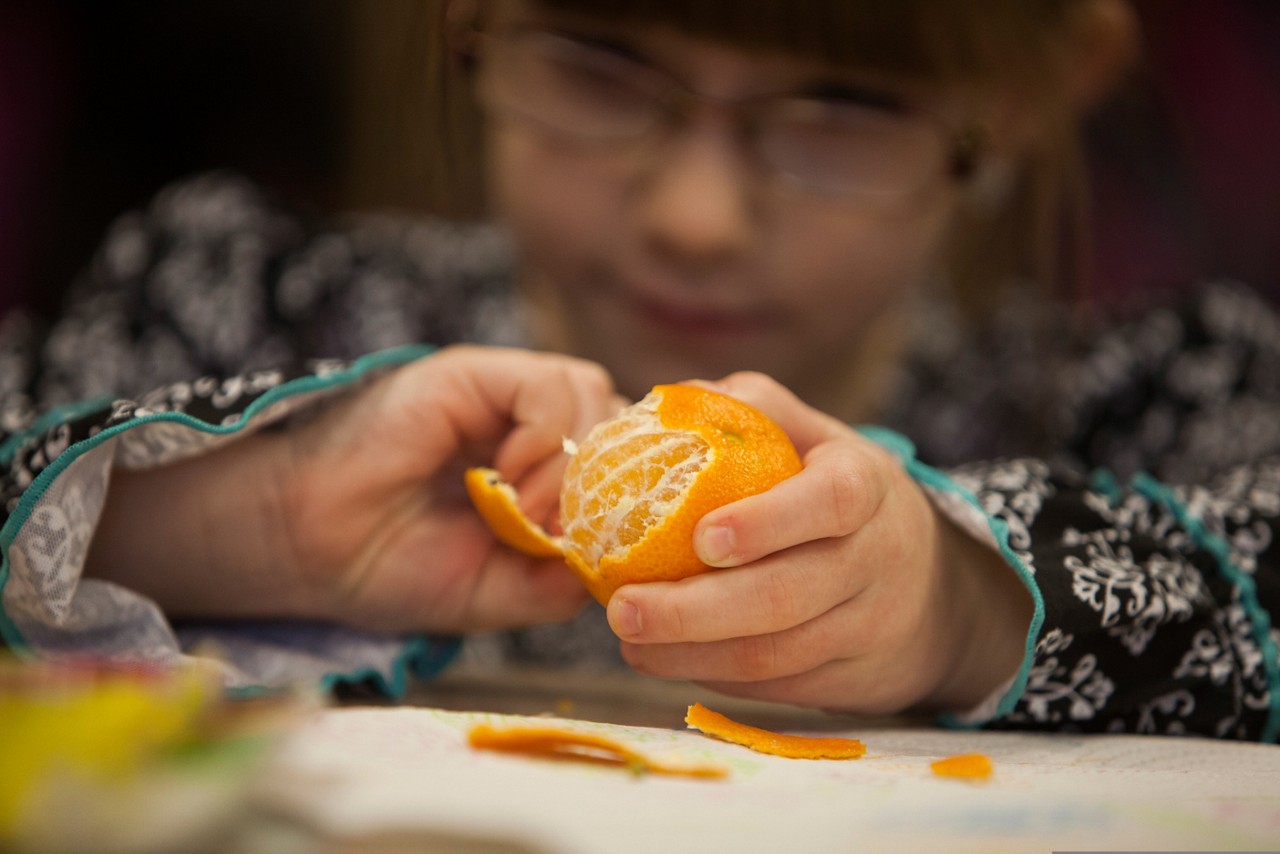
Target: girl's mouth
(686, 320)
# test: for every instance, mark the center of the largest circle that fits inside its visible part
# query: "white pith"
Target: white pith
(589, 470)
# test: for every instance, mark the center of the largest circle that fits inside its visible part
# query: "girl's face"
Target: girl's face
(776, 221)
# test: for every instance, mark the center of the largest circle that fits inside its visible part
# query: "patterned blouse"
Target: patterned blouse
(1130, 474)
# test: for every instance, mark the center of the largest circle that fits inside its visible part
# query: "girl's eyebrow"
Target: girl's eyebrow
(602, 38)
(854, 93)
(615, 45)
(605, 43)
(821, 84)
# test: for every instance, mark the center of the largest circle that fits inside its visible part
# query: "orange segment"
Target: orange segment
(555, 743)
(766, 741)
(968, 766)
(640, 482)
(495, 500)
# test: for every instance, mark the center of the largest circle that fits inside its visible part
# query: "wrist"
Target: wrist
(988, 614)
(206, 536)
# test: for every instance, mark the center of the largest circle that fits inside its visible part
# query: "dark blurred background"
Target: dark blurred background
(103, 103)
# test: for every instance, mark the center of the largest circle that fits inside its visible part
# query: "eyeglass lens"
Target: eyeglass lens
(592, 94)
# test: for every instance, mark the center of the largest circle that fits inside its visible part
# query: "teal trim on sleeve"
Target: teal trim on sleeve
(426, 657)
(905, 450)
(1105, 484)
(1149, 487)
(57, 415)
(301, 385)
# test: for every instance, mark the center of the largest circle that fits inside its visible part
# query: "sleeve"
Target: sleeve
(215, 277)
(1148, 543)
(202, 319)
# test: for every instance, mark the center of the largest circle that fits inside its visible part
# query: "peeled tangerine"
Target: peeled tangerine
(640, 481)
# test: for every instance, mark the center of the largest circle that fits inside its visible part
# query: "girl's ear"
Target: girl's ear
(1104, 45)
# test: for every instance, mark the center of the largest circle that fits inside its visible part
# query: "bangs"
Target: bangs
(978, 41)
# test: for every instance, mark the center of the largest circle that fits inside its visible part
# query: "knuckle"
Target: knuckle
(595, 379)
(779, 599)
(756, 658)
(749, 385)
(847, 494)
(668, 621)
(750, 379)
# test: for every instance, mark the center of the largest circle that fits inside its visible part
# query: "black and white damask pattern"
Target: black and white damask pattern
(1136, 470)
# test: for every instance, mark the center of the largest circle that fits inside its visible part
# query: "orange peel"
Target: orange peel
(766, 741)
(549, 742)
(967, 766)
(496, 502)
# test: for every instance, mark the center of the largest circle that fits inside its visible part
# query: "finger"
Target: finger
(538, 491)
(806, 426)
(844, 685)
(513, 591)
(771, 595)
(839, 490)
(565, 399)
(840, 633)
(808, 667)
(535, 463)
(472, 584)
(527, 400)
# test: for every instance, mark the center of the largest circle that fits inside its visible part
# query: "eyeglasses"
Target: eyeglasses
(851, 143)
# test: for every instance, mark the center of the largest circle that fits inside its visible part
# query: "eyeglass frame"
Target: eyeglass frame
(674, 101)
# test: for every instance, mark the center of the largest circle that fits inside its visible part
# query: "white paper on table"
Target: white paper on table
(363, 771)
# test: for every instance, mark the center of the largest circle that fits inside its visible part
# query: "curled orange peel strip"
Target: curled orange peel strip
(968, 766)
(556, 743)
(495, 501)
(766, 741)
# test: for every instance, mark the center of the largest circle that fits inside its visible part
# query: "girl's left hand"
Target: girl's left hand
(841, 588)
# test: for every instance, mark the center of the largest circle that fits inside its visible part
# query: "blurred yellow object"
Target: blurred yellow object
(96, 754)
(96, 721)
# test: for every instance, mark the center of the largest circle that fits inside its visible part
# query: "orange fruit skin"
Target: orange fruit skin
(496, 503)
(746, 453)
(967, 766)
(553, 742)
(760, 740)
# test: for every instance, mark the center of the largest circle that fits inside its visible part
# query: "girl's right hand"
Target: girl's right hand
(358, 514)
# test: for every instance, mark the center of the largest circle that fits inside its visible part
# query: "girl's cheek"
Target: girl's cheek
(849, 258)
(552, 198)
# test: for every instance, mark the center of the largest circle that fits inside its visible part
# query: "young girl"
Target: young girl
(845, 196)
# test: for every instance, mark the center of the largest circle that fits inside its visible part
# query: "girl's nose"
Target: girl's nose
(696, 196)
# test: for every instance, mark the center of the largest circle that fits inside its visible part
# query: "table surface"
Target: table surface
(375, 776)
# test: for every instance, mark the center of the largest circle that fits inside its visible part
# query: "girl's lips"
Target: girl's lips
(686, 320)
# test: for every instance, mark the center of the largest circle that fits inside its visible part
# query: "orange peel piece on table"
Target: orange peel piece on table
(549, 742)
(766, 741)
(967, 766)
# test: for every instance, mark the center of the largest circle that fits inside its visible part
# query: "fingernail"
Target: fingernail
(624, 618)
(716, 545)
